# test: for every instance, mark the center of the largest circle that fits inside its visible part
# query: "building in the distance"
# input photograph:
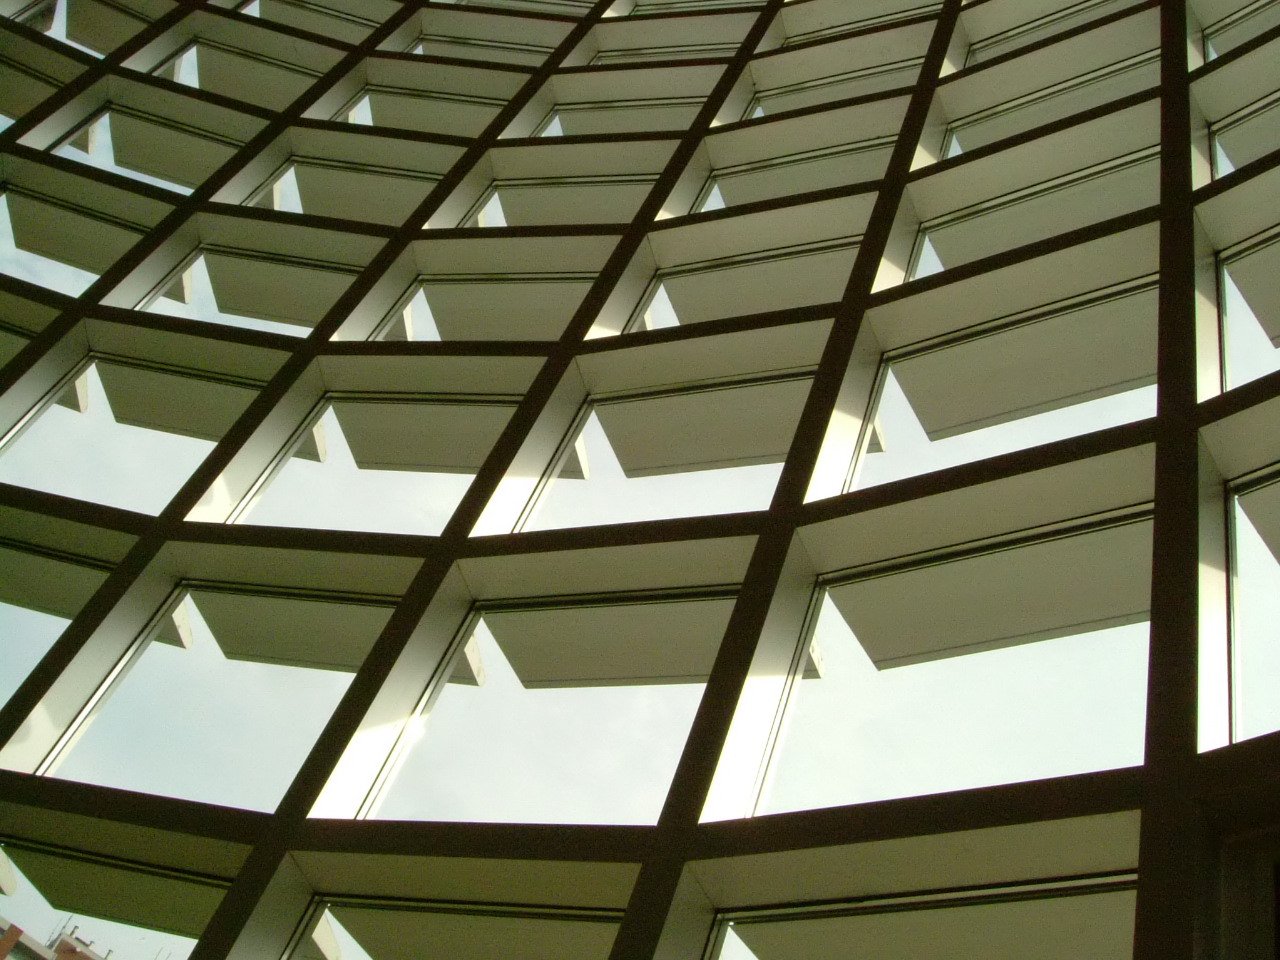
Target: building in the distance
(676, 479)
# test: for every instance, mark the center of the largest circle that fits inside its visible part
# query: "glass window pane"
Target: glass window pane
(1040, 709)
(87, 909)
(122, 436)
(367, 475)
(16, 261)
(1247, 340)
(1255, 647)
(28, 635)
(92, 144)
(555, 734)
(225, 699)
(902, 446)
(605, 492)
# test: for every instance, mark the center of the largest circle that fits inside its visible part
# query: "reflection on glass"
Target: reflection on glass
(603, 493)
(27, 636)
(192, 296)
(1248, 351)
(34, 267)
(1221, 163)
(714, 200)
(51, 20)
(361, 112)
(412, 320)
(926, 262)
(184, 68)
(222, 717)
(1041, 709)
(1255, 647)
(282, 194)
(67, 909)
(902, 448)
(490, 213)
(332, 488)
(92, 145)
(76, 447)
(532, 748)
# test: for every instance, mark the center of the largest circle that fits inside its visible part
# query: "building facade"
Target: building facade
(640, 479)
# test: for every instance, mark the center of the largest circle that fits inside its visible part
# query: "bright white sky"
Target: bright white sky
(192, 723)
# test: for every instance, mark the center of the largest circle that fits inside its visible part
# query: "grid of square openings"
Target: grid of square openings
(441, 434)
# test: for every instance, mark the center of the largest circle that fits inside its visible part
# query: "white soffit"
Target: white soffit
(1066, 358)
(355, 194)
(612, 645)
(732, 426)
(905, 316)
(148, 900)
(1229, 86)
(1245, 210)
(289, 631)
(1048, 848)
(255, 285)
(189, 406)
(410, 935)
(429, 437)
(1064, 492)
(162, 150)
(1262, 506)
(60, 233)
(37, 582)
(1050, 588)
(1245, 441)
(616, 645)
(1098, 926)
(1254, 274)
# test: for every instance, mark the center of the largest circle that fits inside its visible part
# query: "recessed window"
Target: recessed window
(184, 68)
(280, 193)
(925, 261)
(552, 127)
(886, 719)
(81, 906)
(659, 312)
(121, 435)
(1250, 312)
(1254, 667)
(411, 320)
(488, 212)
(394, 465)
(93, 144)
(908, 439)
(254, 291)
(22, 255)
(560, 723)
(50, 18)
(598, 485)
(234, 679)
(712, 199)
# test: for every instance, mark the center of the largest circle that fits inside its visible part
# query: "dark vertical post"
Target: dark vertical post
(1172, 857)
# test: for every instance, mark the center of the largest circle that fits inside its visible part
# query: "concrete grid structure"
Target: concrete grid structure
(451, 240)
